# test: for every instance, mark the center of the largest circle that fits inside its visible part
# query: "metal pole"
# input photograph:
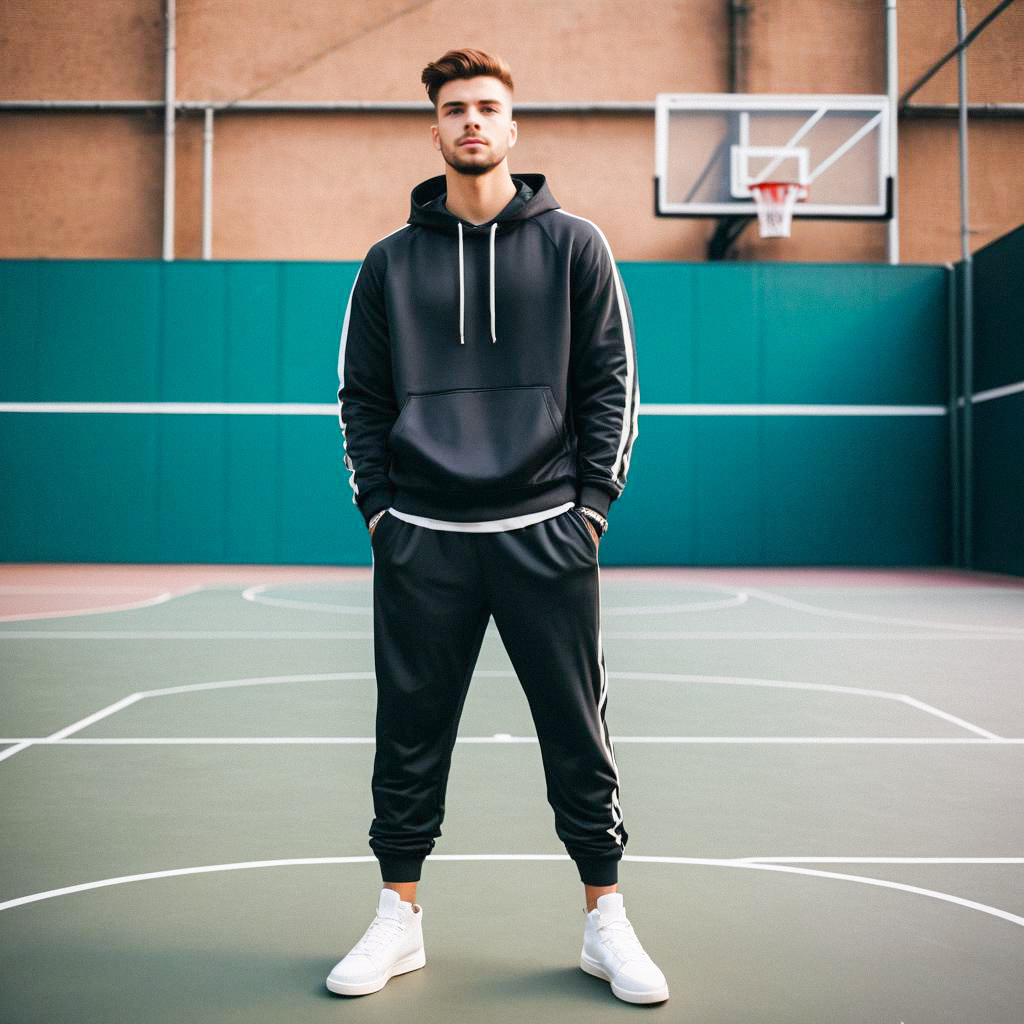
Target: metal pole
(611, 108)
(738, 61)
(208, 184)
(961, 44)
(952, 281)
(987, 110)
(968, 289)
(892, 86)
(169, 45)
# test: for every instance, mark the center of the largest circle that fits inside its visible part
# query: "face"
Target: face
(474, 108)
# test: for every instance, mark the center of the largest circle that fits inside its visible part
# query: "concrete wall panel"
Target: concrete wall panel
(326, 186)
(80, 186)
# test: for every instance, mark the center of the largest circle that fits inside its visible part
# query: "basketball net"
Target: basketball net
(775, 201)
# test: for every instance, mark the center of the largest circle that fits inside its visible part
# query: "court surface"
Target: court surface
(822, 778)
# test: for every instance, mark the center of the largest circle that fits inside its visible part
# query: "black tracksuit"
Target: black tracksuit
(488, 385)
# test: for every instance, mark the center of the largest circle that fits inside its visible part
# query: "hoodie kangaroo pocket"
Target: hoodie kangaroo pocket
(479, 439)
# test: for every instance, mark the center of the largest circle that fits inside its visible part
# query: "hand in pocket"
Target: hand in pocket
(591, 528)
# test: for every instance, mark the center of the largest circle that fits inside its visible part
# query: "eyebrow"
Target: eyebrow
(462, 103)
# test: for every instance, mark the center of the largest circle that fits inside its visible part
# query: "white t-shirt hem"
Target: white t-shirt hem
(487, 525)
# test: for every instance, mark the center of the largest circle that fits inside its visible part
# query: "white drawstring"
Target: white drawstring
(462, 301)
(494, 337)
(462, 289)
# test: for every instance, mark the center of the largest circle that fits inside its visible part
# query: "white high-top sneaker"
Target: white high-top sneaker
(393, 944)
(612, 951)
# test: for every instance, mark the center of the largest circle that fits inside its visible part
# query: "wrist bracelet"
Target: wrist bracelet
(595, 517)
(375, 518)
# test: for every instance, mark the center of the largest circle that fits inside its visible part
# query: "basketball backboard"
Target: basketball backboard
(711, 147)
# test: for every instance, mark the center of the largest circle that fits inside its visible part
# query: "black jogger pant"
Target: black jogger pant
(434, 592)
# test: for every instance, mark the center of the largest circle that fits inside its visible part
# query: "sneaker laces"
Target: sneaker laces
(381, 931)
(621, 937)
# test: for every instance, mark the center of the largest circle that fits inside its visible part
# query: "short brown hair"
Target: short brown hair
(463, 64)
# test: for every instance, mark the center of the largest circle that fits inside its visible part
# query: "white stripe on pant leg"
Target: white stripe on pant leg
(605, 735)
(616, 808)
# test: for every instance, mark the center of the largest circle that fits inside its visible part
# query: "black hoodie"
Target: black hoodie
(488, 371)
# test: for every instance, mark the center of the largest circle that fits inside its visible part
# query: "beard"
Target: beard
(474, 168)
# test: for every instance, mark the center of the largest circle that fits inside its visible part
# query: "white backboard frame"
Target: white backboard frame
(877, 112)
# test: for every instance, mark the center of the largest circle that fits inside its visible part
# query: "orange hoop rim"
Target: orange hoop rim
(773, 191)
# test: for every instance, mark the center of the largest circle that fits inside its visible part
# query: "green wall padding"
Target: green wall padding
(703, 489)
(998, 424)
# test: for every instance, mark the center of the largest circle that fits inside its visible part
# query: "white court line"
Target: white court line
(1013, 587)
(127, 607)
(343, 634)
(68, 730)
(323, 409)
(112, 709)
(48, 589)
(788, 602)
(882, 860)
(669, 677)
(178, 408)
(257, 595)
(742, 863)
(183, 634)
(855, 691)
(777, 409)
(800, 635)
(114, 741)
(1000, 392)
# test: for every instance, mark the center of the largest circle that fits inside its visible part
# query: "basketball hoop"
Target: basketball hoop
(775, 201)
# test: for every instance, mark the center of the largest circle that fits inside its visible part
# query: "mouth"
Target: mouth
(472, 142)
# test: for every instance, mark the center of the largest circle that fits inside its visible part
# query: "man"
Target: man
(488, 404)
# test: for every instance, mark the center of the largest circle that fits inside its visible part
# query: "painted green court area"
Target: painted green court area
(822, 786)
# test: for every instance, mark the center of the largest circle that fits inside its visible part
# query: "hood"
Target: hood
(428, 209)
(427, 204)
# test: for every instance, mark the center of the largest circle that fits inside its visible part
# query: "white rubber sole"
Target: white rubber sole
(408, 963)
(594, 968)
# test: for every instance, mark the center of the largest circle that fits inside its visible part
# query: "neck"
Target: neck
(479, 197)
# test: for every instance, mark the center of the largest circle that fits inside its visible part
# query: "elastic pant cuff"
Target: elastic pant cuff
(400, 869)
(598, 870)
